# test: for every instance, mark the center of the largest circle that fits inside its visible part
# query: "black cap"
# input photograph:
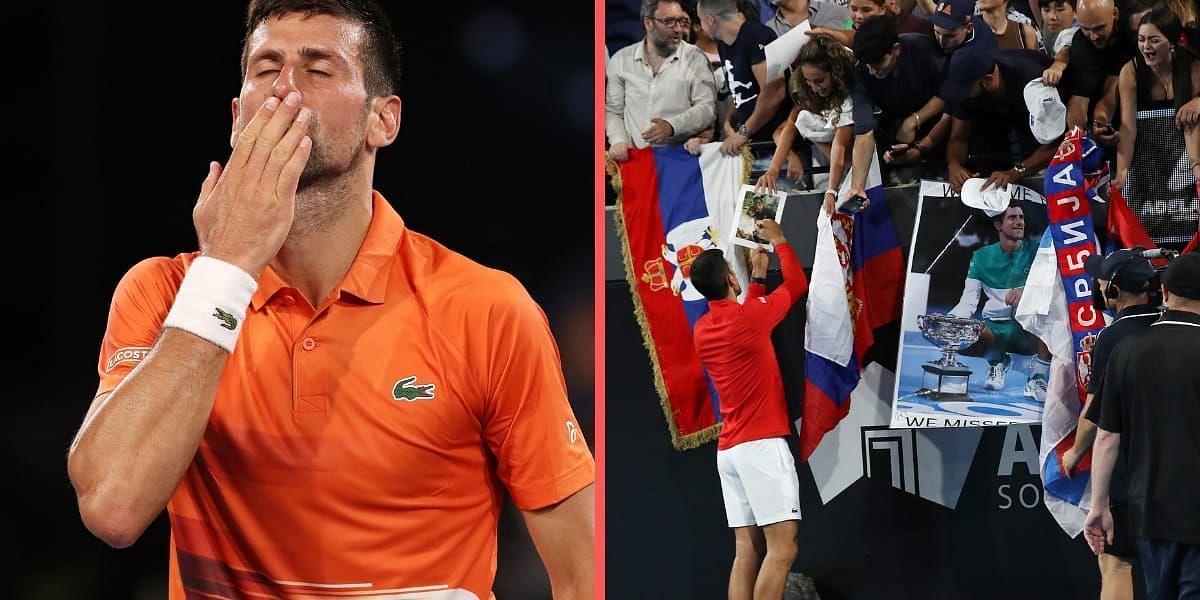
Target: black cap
(1183, 276)
(970, 63)
(951, 14)
(1126, 268)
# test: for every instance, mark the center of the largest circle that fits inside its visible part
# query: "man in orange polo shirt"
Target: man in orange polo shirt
(326, 403)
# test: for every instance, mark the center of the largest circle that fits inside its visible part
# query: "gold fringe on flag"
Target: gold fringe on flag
(679, 441)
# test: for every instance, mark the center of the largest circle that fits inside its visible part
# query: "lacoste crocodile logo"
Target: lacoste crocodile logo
(227, 320)
(411, 393)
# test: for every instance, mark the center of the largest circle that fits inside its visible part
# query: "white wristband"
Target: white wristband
(212, 301)
(830, 191)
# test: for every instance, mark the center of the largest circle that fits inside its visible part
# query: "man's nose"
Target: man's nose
(284, 83)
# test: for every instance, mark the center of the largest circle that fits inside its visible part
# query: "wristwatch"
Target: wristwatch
(1019, 167)
(743, 131)
(759, 280)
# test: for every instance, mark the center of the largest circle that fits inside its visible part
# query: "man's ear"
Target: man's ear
(383, 124)
(234, 108)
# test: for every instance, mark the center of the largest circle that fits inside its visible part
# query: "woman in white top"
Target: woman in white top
(820, 90)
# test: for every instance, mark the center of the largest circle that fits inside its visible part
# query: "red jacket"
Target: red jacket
(733, 342)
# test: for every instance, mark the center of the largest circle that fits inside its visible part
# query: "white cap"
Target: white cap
(1047, 114)
(992, 201)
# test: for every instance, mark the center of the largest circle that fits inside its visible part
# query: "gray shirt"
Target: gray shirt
(682, 93)
(821, 13)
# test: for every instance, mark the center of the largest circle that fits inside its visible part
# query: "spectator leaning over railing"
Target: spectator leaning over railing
(660, 90)
(708, 46)
(1158, 161)
(988, 93)
(861, 10)
(897, 106)
(1100, 48)
(955, 26)
(1058, 29)
(824, 112)
(757, 104)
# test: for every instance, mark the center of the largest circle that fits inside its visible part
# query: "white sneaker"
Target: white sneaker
(1035, 387)
(996, 373)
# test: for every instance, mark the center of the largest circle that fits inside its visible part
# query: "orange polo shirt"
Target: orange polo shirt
(357, 450)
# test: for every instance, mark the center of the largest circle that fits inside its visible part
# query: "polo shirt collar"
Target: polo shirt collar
(722, 304)
(1138, 309)
(367, 278)
(1180, 315)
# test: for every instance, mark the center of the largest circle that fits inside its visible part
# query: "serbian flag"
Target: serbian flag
(1057, 307)
(856, 287)
(673, 206)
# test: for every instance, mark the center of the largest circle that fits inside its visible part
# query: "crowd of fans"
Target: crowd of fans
(949, 90)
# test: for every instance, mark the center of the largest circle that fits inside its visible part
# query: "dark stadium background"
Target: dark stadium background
(115, 110)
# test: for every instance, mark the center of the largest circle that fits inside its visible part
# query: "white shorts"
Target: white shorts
(759, 483)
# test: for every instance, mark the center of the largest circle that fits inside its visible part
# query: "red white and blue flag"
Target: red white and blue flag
(673, 206)
(1057, 307)
(856, 287)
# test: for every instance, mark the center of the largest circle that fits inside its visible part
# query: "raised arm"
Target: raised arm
(138, 439)
(794, 281)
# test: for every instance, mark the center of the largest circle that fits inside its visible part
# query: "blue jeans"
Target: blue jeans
(1172, 569)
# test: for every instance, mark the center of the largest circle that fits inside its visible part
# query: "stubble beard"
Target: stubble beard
(325, 190)
(664, 45)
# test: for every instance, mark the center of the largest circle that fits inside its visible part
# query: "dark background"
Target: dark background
(115, 110)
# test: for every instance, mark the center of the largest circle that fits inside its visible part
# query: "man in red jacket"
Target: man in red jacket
(758, 474)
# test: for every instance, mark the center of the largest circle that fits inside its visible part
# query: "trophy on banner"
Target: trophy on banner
(950, 334)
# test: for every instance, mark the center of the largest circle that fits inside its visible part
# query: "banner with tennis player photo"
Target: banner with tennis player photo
(964, 361)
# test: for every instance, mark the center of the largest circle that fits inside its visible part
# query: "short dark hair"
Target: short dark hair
(709, 274)
(998, 219)
(1049, 3)
(1182, 276)
(721, 9)
(649, 6)
(380, 49)
(875, 38)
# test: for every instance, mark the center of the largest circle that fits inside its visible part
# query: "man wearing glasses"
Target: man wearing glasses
(660, 90)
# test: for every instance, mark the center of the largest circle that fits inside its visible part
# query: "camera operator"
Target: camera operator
(1123, 279)
(1151, 407)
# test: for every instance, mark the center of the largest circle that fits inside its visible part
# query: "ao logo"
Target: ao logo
(933, 463)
